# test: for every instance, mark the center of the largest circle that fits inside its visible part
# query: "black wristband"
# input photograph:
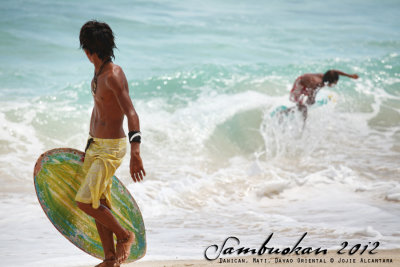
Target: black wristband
(135, 136)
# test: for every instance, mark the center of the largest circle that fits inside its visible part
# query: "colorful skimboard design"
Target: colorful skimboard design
(57, 177)
(321, 99)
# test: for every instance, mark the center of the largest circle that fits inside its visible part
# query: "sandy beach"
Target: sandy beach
(387, 257)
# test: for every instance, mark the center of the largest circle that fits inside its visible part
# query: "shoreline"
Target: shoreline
(383, 257)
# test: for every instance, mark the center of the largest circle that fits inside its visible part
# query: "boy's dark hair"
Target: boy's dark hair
(330, 76)
(97, 37)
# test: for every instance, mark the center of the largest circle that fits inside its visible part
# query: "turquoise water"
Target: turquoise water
(203, 76)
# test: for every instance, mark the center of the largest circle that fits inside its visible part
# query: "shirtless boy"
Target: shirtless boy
(306, 87)
(107, 141)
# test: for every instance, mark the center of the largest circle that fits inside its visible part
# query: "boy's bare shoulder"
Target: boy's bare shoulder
(116, 77)
(116, 71)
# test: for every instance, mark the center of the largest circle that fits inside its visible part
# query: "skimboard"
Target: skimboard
(322, 99)
(57, 177)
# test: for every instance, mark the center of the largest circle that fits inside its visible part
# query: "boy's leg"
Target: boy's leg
(303, 109)
(99, 167)
(104, 216)
(106, 237)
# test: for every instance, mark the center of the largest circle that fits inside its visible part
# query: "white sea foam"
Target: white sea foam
(305, 184)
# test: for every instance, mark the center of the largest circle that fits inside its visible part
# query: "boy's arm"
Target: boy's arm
(117, 84)
(354, 76)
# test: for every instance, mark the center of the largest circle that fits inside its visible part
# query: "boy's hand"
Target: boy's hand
(136, 165)
(354, 76)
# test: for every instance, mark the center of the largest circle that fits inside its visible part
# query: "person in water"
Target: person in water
(106, 144)
(306, 87)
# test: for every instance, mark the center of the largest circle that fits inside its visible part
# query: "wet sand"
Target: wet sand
(389, 258)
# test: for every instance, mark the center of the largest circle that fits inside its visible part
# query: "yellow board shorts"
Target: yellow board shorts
(102, 158)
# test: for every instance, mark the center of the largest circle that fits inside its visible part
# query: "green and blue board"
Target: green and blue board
(57, 177)
(322, 99)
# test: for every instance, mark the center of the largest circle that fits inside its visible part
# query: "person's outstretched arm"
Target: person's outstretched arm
(353, 76)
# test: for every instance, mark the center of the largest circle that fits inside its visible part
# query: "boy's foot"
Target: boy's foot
(111, 262)
(124, 247)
